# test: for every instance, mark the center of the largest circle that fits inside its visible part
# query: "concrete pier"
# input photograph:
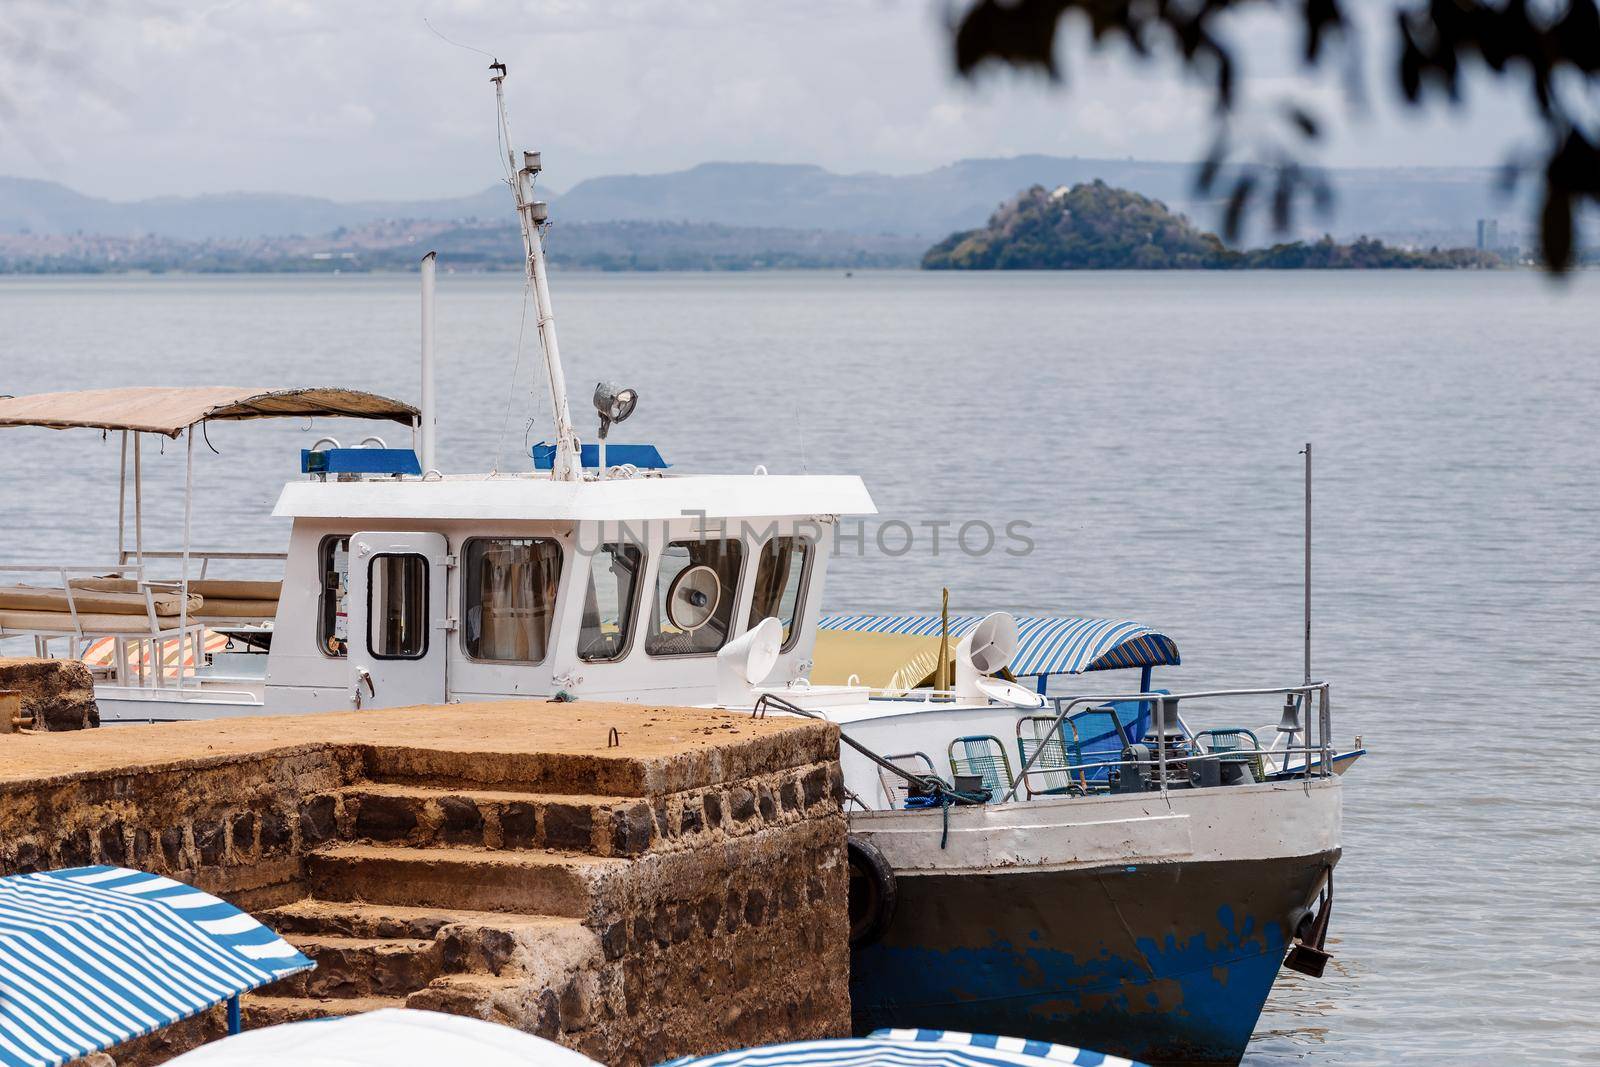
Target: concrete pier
(675, 887)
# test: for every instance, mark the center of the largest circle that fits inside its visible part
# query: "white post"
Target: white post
(1307, 702)
(122, 501)
(430, 417)
(138, 506)
(183, 590)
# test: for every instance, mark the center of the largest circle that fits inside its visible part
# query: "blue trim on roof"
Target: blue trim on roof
(359, 461)
(93, 956)
(1045, 644)
(642, 457)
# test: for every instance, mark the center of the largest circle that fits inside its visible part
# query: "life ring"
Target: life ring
(872, 892)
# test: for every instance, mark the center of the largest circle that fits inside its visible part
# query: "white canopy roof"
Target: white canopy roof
(164, 410)
(615, 500)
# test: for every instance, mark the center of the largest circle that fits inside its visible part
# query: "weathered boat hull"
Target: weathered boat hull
(1144, 926)
(1168, 962)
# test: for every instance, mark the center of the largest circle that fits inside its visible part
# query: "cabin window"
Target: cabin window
(509, 585)
(781, 571)
(397, 606)
(333, 633)
(696, 586)
(608, 609)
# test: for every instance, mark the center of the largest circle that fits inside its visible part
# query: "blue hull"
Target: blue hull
(1167, 963)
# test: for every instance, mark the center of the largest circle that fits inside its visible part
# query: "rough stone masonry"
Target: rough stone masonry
(677, 888)
(57, 694)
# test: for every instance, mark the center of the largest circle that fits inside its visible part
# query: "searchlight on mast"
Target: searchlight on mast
(533, 215)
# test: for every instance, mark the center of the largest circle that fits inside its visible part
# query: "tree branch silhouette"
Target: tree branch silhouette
(1549, 51)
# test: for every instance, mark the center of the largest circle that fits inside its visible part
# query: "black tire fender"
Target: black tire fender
(872, 891)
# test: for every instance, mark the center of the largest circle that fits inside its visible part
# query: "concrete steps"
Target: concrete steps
(355, 967)
(486, 997)
(454, 941)
(260, 1010)
(554, 891)
(560, 884)
(413, 814)
(358, 920)
(458, 900)
(528, 772)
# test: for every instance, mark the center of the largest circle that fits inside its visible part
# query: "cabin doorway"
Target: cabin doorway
(398, 619)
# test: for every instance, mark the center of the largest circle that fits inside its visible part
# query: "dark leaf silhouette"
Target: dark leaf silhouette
(1550, 52)
(1233, 216)
(1304, 120)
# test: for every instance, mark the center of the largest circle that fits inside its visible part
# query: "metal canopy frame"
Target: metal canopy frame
(219, 405)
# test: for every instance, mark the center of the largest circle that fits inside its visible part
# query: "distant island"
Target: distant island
(1093, 226)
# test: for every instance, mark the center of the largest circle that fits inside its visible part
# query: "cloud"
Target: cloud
(359, 99)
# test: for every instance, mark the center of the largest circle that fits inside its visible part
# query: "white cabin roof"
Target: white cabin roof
(721, 496)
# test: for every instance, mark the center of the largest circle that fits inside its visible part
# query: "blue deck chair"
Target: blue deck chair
(1098, 736)
(983, 755)
(1048, 774)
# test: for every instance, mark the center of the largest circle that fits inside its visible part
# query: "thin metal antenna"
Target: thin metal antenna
(531, 216)
(1307, 453)
(429, 422)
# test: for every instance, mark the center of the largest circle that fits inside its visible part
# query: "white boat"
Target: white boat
(1082, 869)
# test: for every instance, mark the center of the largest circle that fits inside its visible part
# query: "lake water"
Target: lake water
(1148, 427)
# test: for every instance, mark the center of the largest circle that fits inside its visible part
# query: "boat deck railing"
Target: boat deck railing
(72, 627)
(205, 557)
(140, 655)
(1316, 729)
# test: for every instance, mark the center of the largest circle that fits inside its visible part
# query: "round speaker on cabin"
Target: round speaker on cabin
(693, 597)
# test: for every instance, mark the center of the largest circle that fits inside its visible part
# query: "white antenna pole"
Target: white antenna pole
(531, 215)
(1307, 454)
(429, 405)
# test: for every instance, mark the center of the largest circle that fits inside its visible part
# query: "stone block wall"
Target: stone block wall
(58, 694)
(237, 827)
(633, 909)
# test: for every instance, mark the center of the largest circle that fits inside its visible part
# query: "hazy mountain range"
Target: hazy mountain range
(1412, 205)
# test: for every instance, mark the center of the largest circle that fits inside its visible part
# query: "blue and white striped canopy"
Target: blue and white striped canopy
(909, 1048)
(1045, 644)
(93, 956)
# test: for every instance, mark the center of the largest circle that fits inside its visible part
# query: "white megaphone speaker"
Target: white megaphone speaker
(987, 649)
(747, 661)
(693, 597)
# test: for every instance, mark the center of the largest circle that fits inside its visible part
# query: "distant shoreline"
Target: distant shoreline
(6, 275)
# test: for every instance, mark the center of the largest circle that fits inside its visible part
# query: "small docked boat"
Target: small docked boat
(1091, 868)
(1121, 868)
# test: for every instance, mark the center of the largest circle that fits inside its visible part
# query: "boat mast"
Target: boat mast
(1307, 453)
(532, 215)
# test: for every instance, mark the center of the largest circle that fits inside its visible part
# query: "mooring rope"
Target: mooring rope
(939, 791)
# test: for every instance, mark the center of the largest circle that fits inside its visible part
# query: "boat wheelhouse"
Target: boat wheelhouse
(421, 588)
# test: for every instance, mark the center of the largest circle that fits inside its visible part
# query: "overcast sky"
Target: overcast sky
(357, 99)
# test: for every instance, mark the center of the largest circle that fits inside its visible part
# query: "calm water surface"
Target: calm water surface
(1147, 426)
